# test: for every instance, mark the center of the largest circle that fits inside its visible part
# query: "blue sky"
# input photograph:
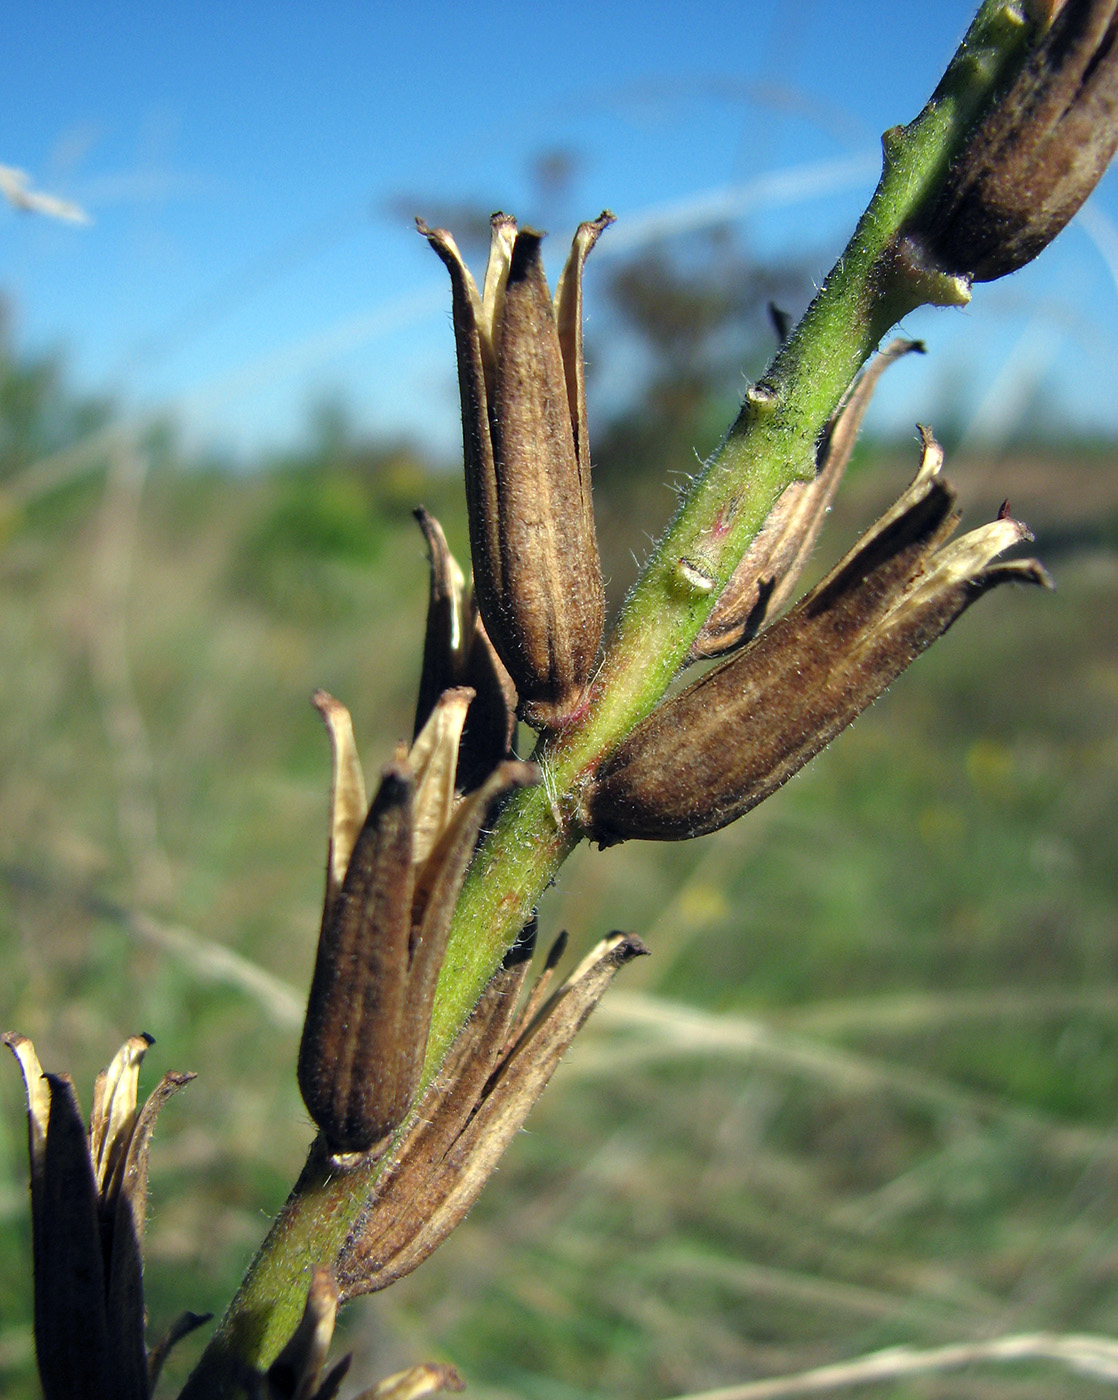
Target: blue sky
(251, 170)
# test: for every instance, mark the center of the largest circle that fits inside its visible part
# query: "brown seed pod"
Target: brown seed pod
(1033, 160)
(391, 891)
(710, 753)
(88, 1202)
(535, 551)
(494, 1073)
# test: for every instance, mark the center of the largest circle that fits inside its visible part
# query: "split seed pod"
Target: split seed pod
(88, 1203)
(527, 458)
(495, 1071)
(457, 652)
(710, 753)
(299, 1372)
(767, 575)
(393, 878)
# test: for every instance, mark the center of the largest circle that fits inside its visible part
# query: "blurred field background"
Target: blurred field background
(864, 1092)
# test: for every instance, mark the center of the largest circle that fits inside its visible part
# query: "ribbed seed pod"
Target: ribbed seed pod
(88, 1203)
(1035, 158)
(391, 891)
(716, 749)
(494, 1073)
(535, 551)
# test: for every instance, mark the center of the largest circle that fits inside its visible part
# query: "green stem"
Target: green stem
(770, 445)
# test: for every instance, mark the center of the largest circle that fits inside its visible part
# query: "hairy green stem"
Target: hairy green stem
(770, 445)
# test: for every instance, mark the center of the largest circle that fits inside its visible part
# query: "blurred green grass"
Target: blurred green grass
(865, 1090)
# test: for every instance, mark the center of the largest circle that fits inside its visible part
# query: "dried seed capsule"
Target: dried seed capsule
(1036, 156)
(494, 1073)
(771, 567)
(716, 749)
(389, 900)
(457, 652)
(88, 1202)
(355, 1072)
(535, 550)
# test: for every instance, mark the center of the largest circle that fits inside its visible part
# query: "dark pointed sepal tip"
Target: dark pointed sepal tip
(781, 322)
(628, 947)
(333, 1382)
(556, 951)
(524, 946)
(432, 530)
(525, 253)
(1004, 512)
(898, 349)
(183, 1325)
